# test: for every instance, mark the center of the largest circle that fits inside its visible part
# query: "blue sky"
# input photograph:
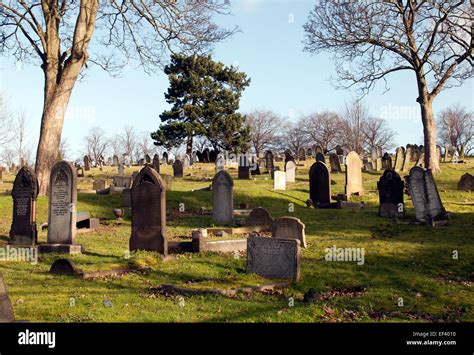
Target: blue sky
(283, 79)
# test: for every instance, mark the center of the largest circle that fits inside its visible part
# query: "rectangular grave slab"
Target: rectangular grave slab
(274, 258)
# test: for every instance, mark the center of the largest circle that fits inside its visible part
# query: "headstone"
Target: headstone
(386, 161)
(288, 155)
(399, 158)
(165, 158)
(466, 183)
(290, 171)
(186, 162)
(98, 184)
(302, 154)
(25, 191)
(156, 163)
(353, 175)
(178, 169)
(121, 169)
(318, 149)
(199, 156)
(86, 163)
(213, 156)
(255, 166)
(279, 180)
(259, 216)
(319, 183)
(147, 159)
(320, 157)
(63, 267)
(273, 258)
(309, 152)
(62, 210)
(122, 181)
(269, 162)
(244, 167)
(148, 212)
(390, 188)
(339, 150)
(335, 164)
(425, 196)
(205, 156)
(407, 159)
(6, 309)
(80, 172)
(220, 163)
(222, 198)
(289, 228)
(115, 160)
(421, 159)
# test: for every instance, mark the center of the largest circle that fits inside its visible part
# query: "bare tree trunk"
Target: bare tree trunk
(189, 145)
(429, 131)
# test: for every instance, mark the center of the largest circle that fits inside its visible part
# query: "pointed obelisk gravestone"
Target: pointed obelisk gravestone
(148, 195)
(399, 158)
(156, 163)
(222, 198)
(25, 191)
(290, 171)
(62, 211)
(178, 169)
(425, 196)
(334, 162)
(319, 184)
(6, 310)
(353, 175)
(390, 188)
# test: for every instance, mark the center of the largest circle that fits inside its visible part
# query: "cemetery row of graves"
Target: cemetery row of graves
(213, 237)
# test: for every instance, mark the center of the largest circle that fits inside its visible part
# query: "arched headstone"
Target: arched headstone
(156, 163)
(391, 188)
(178, 169)
(222, 198)
(353, 175)
(319, 183)
(290, 171)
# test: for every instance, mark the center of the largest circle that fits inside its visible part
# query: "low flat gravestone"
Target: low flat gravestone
(390, 188)
(335, 164)
(290, 171)
(63, 267)
(466, 183)
(279, 180)
(319, 183)
(222, 198)
(425, 196)
(274, 258)
(156, 163)
(259, 216)
(25, 191)
(353, 175)
(148, 196)
(289, 228)
(6, 309)
(98, 184)
(62, 214)
(178, 169)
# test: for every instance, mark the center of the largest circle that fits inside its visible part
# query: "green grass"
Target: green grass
(406, 261)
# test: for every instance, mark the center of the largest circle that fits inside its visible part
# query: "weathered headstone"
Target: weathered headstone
(165, 158)
(121, 169)
(390, 188)
(353, 175)
(147, 159)
(290, 171)
(122, 181)
(335, 164)
(148, 212)
(25, 191)
(466, 183)
(269, 162)
(87, 166)
(156, 163)
(220, 163)
(222, 198)
(425, 196)
(259, 216)
(319, 183)
(205, 156)
(62, 211)
(289, 228)
(302, 154)
(399, 158)
(6, 309)
(279, 180)
(178, 169)
(407, 159)
(98, 184)
(63, 267)
(273, 258)
(386, 161)
(446, 153)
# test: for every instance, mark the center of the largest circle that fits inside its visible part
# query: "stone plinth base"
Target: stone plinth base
(60, 248)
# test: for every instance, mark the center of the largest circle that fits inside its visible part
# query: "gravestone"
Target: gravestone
(320, 157)
(147, 159)
(425, 196)
(466, 183)
(115, 160)
(6, 309)
(386, 161)
(319, 183)
(289, 228)
(244, 167)
(318, 149)
(62, 211)
(288, 155)
(273, 258)
(399, 158)
(407, 158)
(259, 216)
(353, 175)
(122, 181)
(220, 163)
(165, 158)
(302, 154)
(269, 162)
(25, 191)
(156, 163)
(205, 156)
(186, 162)
(255, 166)
(279, 180)
(421, 159)
(309, 152)
(290, 171)
(98, 184)
(335, 164)
(390, 188)
(80, 172)
(339, 150)
(222, 198)
(121, 169)
(148, 195)
(63, 267)
(178, 169)
(87, 166)
(213, 156)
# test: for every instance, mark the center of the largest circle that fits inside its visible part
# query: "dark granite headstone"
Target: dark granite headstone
(178, 169)
(335, 164)
(165, 158)
(390, 188)
(269, 162)
(87, 166)
(320, 157)
(25, 191)
(319, 183)
(149, 212)
(244, 168)
(466, 183)
(386, 161)
(302, 154)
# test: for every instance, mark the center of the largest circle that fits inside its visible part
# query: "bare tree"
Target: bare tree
(355, 117)
(323, 129)
(96, 143)
(20, 143)
(57, 35)
(128, 140)
(115, 145)
(5, 122)
(372, 39)
(456, 127)
(64, 149)
(265, 128)
(145, 145)
(377, 133)
(295, 137)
